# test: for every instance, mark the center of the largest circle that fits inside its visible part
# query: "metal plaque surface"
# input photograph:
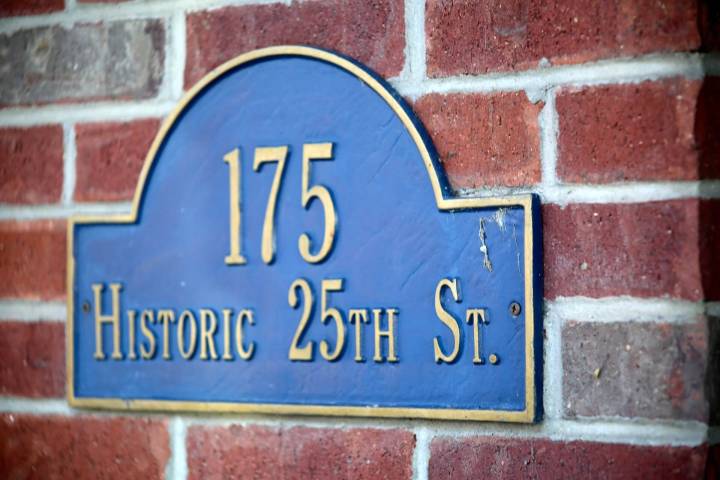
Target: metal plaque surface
(294, 247)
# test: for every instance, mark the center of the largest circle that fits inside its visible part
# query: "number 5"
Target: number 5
(317, 151)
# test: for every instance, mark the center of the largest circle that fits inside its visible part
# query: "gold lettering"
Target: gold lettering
(317, 151)
(270, 155)
(476, 316)
(236, 257)
(334, 285)
(131, 314)
(165, 317)
(190, 351)
(227, 319)
(389, 334)
(149, 351)
(245, 354)
(448, 320)
(358, 316)
(113, 318)
(297, 353)
(207, 334)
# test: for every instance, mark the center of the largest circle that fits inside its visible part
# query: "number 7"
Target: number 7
(270, 155)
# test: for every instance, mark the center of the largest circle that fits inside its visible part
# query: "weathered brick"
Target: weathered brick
(11, 8)
(484, 140)
(642, 249)
(82, 447)
(267, 453)
(372, 31)
(32, 359)
(31, 164)
(113, 60)
(110, 157)
(493, 457)
(636, 369)
(644, 131)
(476, 36)
(32, 259)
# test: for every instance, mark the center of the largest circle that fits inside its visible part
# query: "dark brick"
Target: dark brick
(110, 157)
(492, 457)
(484, 140)
(12, 8)
(267, 453)
(82, 447)
(114, 60)
(635, 370)
(31, 164)
(707, 124)
(372, 31)
(32, 359)
(641, 249)
(629, 132)
(476, 36)
(32, 259)
(710, 248)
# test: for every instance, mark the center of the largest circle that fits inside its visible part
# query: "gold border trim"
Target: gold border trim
(525, 201)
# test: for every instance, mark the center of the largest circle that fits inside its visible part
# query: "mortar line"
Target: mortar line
(32, 311)
(421, 455)
(178, 52)
(549, 126)
(602, 72)
(120, 11)
(177, 468)
(552, 368)
(624, 309)
(414, 68)
(84, 112)
(69, 163)
(43, 212)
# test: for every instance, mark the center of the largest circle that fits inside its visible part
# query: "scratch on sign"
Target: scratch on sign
(483, 246)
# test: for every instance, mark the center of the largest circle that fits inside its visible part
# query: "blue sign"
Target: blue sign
(294, 247)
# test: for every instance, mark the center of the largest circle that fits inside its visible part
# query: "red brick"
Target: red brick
(630, 132)
(31, 164)
(710, 248)
(11, 8)
(117, 60)
(372, 31)
(643, 250)
(267, 453)
(33, 259)
(476, 36)
(110, 157)
(637, 369)
(32, 359)
(493, 457)
(484, 140)
(82, 447)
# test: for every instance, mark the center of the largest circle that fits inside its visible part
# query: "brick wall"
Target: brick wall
(608, 110)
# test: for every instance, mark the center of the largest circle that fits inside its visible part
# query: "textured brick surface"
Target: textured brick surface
(635, 370)
(11, 8)
(372, 31)
(32, 359)
(32, 259)
(265, 453)
(82, 447)
(617, 133)
(488, 457)
(114, 60)
(31, 164)
(484, 140)
(476, 36)
(110, 157)
(643, 249)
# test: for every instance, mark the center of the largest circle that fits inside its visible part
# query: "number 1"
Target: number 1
(233, 161)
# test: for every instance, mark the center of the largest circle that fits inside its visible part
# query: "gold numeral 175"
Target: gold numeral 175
(278, 155)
